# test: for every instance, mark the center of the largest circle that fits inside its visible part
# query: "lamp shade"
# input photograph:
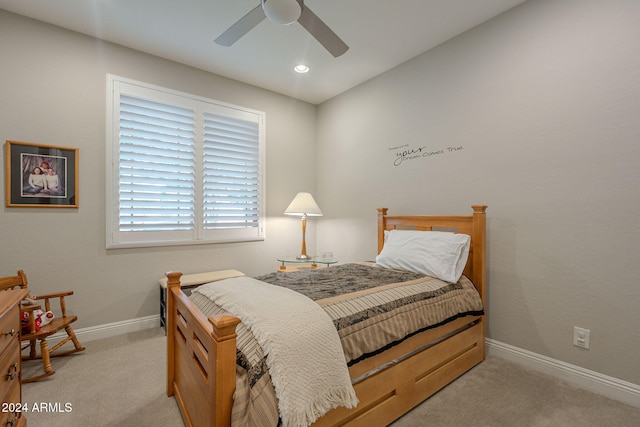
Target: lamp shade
(282, 11)
(303, 205)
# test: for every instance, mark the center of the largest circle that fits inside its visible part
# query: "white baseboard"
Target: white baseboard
(593, 381)
(111, 329)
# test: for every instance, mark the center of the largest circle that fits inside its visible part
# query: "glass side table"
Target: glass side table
(310, 262)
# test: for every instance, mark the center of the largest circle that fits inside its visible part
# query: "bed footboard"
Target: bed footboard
(201, 360)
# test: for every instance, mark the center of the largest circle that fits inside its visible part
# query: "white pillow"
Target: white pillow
(435, 253)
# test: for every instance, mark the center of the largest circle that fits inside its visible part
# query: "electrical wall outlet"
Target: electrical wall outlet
(581, 337)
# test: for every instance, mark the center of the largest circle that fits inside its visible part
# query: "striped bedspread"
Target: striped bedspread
(371, 307)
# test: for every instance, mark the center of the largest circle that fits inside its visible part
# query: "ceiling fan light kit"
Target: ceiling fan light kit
(285, 12)
(282, 12)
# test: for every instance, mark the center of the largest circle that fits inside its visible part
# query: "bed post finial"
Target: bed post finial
(173, 278)
(479, 208)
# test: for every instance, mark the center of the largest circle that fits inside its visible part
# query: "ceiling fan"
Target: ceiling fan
(285, 12)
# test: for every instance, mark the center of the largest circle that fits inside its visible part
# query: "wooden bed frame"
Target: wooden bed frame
(201, 352)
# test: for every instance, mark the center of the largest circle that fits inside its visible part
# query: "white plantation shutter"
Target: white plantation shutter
(231, 173)
(157, 166)
(184, 169)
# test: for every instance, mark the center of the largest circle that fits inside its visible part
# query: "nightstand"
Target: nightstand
(301, 264)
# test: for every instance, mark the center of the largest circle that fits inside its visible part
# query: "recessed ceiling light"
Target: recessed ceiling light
(301, 68)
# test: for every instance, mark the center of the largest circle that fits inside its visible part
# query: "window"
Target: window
(183, 169)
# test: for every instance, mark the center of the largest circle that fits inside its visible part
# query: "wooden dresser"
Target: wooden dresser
(11, 410)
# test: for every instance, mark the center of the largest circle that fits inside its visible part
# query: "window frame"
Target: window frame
(115, 238)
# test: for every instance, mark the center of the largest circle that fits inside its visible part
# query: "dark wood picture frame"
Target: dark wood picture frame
(41, 176)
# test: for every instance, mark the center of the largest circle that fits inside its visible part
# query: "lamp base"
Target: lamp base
(303, 257)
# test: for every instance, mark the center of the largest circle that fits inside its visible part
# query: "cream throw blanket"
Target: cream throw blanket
(301, 345)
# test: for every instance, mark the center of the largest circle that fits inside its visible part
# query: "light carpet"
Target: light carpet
(120, 381)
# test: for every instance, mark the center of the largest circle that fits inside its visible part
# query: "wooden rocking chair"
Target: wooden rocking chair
(37, 333)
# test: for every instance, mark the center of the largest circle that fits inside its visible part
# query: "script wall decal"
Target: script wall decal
(407, 152)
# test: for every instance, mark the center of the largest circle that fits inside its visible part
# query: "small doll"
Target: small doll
(40, 318)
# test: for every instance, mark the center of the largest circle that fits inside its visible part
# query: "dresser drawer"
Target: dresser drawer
(10, 371)
(9, 327)
(12, 409)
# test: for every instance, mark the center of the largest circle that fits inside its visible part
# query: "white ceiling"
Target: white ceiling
(380, 33)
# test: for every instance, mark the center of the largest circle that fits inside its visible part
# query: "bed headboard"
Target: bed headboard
(474, 225)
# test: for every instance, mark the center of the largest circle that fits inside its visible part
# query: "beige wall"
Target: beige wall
(53, 91)
(545, 101)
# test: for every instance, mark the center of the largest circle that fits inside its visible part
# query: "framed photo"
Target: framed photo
(41, 176)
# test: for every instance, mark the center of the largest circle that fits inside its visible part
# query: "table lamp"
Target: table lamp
(303, 205)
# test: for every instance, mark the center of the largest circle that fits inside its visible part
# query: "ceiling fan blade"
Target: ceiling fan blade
(321, 32)
(242, 27)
